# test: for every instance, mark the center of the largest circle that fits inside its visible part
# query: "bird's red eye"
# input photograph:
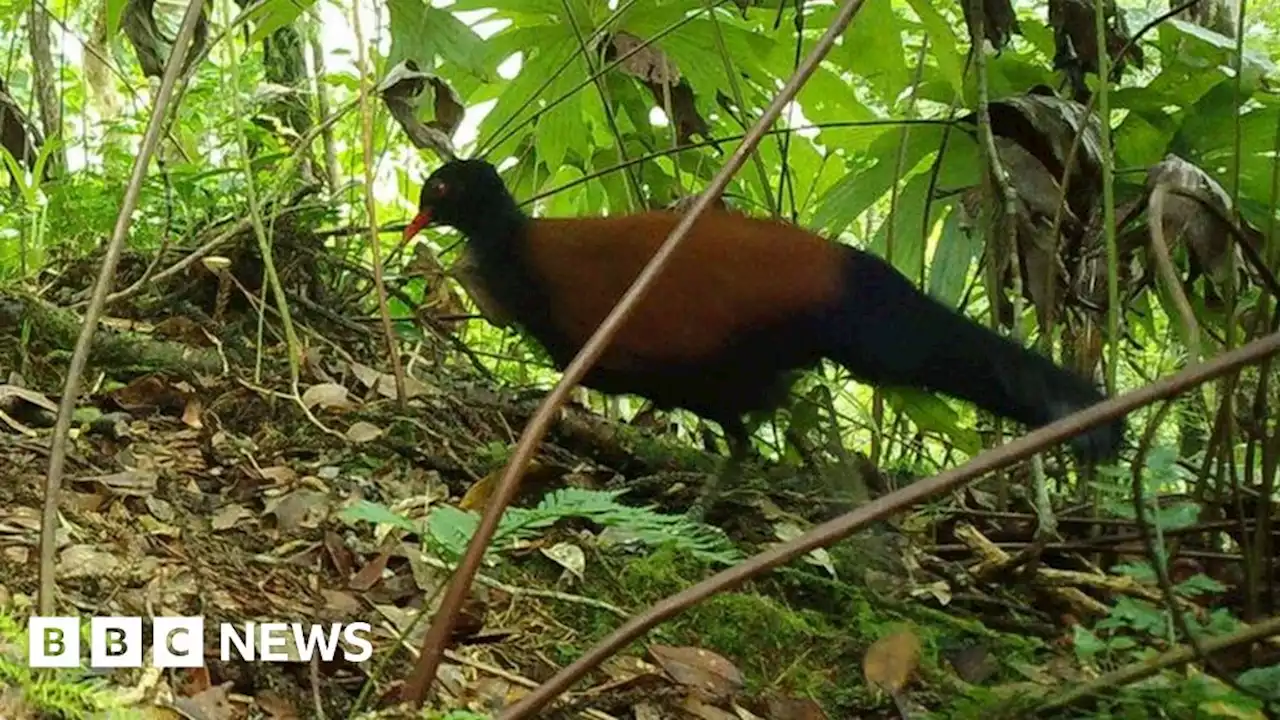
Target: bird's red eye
(439, 188)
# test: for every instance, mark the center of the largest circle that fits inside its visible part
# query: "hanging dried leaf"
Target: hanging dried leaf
(1038, 197)
(661, 77)
(1000, 22)
(1046, 126)
(401, 90)
(645, 61)
(1185, 219)
(1076, 46)
(17, 134)
(151, 44)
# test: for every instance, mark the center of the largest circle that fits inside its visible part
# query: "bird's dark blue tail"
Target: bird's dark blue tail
(887, 332)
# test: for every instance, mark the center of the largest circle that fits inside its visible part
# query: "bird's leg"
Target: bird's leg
(739, 446)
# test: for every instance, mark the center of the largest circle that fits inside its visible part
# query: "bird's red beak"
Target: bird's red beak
(415, 226)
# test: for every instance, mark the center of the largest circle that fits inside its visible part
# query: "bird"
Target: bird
(744, 305)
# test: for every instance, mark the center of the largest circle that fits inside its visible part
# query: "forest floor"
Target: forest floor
(197, 485)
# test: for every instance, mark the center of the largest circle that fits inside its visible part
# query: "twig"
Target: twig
(370, 206)
(80, 356)
(1139, 671)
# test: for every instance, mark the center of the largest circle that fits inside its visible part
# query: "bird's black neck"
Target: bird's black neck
(494, 231)
(499, 241)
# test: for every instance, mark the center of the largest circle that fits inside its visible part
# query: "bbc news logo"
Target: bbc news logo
(178, 642)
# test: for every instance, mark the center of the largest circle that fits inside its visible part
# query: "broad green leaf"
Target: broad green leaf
(910, 228)
(561, 126)
(275, 14)
(827, 98)
(614, 184)
(942, 43)
(872, 49)
(511, 7)
(421, 32)
(954, 254)
(932, 414)
(851, 196)
(115, 11)
(539, 65)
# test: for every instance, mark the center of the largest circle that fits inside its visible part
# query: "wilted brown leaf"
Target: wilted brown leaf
(1076, 41)
(401, 89)
(1186, 219)
(891, 661)
(661, 77)
(1000, 23)
(371, 573)
(708, 675)
(78, 561)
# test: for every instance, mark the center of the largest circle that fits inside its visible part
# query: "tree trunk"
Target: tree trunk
(46, 78)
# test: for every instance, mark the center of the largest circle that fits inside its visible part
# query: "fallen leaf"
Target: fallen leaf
(279, 474)
(130, 483)
(300, 508)
(788, 708)
(9, 392)
(973, 664)
(371, 573)
(86, 561)
(568, 556)
(385, 383)
(477, 496)
(276, 706)
(708, 675)
(363, 432)
(227, 516)
(891, 661)
(328, 395)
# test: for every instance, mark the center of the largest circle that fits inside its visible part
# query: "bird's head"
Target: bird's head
(459, 194)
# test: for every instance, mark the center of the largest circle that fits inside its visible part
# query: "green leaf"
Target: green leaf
(932, 414)
(872, 47)
(562, 127)
(365, 511)
(275, 14)
(910, 227)
(511, 7)
(555, 43)
(852, 195)
(954, 254)
(942, 43)
(115, 11)
(1264, 680)
(421, 32)
(1086, 643)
